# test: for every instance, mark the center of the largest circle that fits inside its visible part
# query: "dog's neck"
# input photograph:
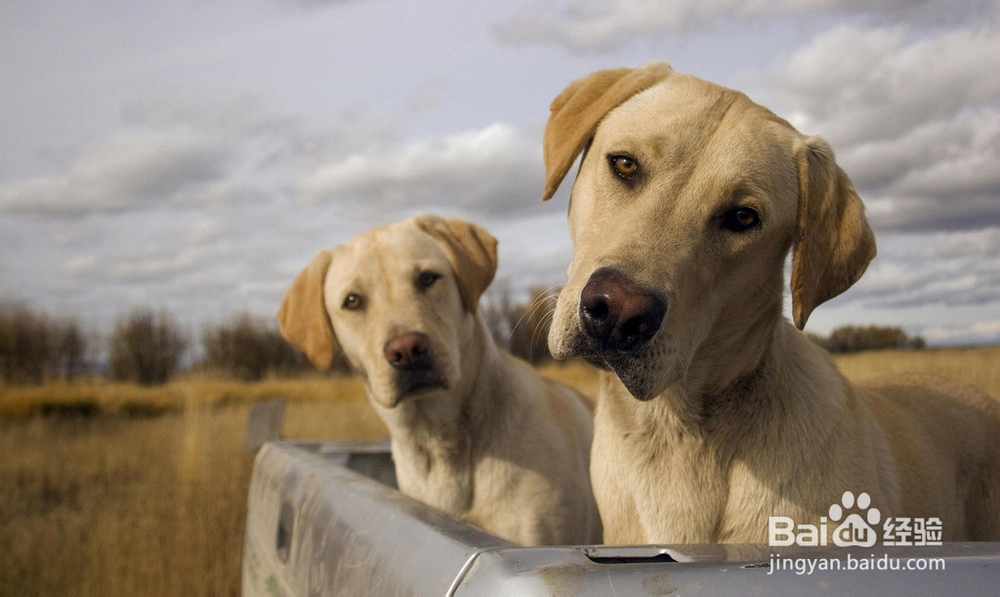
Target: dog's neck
(432, 437)
(731, 354)
(728, 373)
(743, 390)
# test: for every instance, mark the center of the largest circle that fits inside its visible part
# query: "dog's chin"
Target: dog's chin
(417, 388)
(641, 380)
(638, 370)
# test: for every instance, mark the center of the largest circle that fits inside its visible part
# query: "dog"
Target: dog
(714, 412)
(474, 431)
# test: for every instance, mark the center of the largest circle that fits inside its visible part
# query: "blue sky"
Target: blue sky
(194, 155)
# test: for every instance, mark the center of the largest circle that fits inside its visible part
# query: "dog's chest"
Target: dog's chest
(435, 475)
(658, 485)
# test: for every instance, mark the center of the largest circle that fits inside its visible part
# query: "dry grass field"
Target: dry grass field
(112, 489)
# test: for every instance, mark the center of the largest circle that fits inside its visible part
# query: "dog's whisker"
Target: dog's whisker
(541, 299)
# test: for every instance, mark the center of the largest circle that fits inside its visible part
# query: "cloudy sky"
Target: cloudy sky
(193, 156)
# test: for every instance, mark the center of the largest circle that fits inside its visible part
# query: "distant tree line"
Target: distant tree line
(149, 347)
(250, 348)
(146, 347)
(35, 347)
(852, 338)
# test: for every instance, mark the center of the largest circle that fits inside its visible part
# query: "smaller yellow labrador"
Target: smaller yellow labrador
(475, 432)
(717, 413)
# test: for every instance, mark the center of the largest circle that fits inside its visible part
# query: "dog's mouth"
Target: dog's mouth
(416, 383)
(633, 367)
(633, 370)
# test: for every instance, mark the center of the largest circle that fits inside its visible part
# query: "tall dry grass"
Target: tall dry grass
(113, 489)
(978, 366)
(122, 499)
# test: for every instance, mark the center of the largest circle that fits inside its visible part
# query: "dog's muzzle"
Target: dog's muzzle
(412, 360)
(617, 314)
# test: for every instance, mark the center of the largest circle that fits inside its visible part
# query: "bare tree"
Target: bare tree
(146, 347)
(34, 347)
(25, 345)
(250, 348)
(69, 347)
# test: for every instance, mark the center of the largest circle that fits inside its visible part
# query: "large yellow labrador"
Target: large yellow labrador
(474, 431)
(719, 413)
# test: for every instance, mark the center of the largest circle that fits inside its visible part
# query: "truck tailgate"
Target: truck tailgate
(326, 519)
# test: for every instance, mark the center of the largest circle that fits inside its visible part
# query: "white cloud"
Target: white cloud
(949, 269)
(170, 151)
(597, 25)
(858, 84)
(490, 170)
(915, 120)
(133, 167)
(975, 333)
(79, 265)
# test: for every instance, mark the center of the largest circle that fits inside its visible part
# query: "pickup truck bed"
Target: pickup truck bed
(326, 519)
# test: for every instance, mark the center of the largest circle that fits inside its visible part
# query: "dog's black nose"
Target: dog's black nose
(411, 350)
(618, 313)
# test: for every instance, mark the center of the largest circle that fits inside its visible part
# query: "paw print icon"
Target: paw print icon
(855, 530)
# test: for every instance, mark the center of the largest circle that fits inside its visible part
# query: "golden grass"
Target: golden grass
(90, 396)
(978, 366)
(145, 493)
(114, 506)
(105, 502)
(575, 374)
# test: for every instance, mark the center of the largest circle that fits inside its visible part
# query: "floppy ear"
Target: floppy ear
(581, 106)
(471, 250)
(833, 241)
(302, 318)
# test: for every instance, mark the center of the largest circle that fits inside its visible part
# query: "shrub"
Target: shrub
(852, 338)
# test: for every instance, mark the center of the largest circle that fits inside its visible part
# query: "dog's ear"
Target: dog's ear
(302, 318)
(833, 242)
(577, 111)
(471, 250)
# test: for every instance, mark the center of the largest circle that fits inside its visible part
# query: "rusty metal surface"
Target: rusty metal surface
(325, 519)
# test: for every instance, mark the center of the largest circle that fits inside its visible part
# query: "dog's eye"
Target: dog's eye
(623, 166)
(353, 302)
(427, 279)
(740, 219)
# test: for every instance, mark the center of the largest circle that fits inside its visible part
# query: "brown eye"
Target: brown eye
(426, 279)
(740, 219)
(623, 166)
(353, 302)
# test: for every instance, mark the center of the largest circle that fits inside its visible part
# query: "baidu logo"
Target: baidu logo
(854, 522)
(855, 530)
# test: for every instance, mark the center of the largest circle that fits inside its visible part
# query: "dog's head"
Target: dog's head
(399, 301)
(688, 198)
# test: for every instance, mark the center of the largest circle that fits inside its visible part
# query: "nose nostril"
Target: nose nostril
(598, 310)
(618, 313)
(641, 328)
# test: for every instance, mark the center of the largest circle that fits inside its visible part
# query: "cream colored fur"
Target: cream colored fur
(729, 414)
(485, 439)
